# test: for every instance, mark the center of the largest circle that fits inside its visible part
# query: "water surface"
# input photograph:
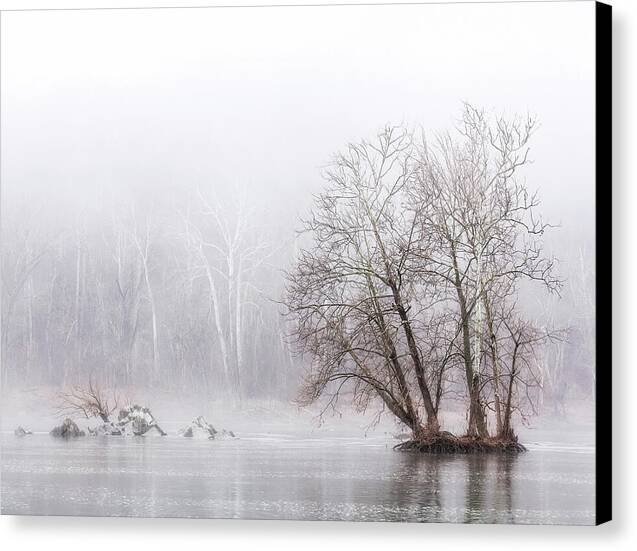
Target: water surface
(279, 476)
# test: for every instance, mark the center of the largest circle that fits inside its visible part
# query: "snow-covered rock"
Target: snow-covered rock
(20, 431)
(131, 421)
(138, 420)
(68, 429)
(107, 429)
(224, 434)
(200, 428)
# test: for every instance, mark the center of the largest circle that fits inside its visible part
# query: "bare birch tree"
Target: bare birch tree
(142, 239)
(227, 252)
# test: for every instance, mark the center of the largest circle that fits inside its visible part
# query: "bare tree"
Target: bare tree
(125, 297)
(227, 251)
(23, 250)
(520, 374)
(143, 241)
(351, 296)
(480, 227)
(90, 401)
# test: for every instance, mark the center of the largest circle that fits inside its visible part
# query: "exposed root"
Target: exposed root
(447, 443)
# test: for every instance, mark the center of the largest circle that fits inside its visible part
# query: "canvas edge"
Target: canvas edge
(603, 262)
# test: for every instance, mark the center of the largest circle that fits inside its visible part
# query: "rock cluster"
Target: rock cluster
(136, 420)
(132, 421)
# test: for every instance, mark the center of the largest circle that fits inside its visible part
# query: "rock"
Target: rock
(138, 420)
(140, 426)
(200, 428)
(224, 434)
(107, 429)
(20, 431)
(186, 432)
(68, 429)
(153, 430)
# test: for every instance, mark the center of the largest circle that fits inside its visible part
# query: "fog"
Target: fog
(132, 139)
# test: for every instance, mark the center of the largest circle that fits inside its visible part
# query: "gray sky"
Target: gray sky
(96, 103)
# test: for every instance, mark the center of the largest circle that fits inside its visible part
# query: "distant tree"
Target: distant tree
(227, 251)
(90, 400)
(24, 247)
(143, 241)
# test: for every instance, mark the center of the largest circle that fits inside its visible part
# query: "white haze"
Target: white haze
(104, 107)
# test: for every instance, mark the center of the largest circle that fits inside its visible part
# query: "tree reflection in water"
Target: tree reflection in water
(448, 488)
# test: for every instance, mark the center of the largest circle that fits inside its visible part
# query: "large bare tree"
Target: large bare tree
(481, 232)
(351, 294)
(416, 252)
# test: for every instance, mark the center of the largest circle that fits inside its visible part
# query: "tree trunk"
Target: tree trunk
(493, 346)
(477, 421)
(214, 299)
(78, 310)
(432, 417)
(394, 362)
(388, 399)
(153, 313)
(507, 430)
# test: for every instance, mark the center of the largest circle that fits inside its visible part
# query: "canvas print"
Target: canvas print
(306, 263)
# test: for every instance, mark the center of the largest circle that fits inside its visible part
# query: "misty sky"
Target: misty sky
(142, 102)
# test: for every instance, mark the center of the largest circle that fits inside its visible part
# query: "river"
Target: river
(287, 476)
